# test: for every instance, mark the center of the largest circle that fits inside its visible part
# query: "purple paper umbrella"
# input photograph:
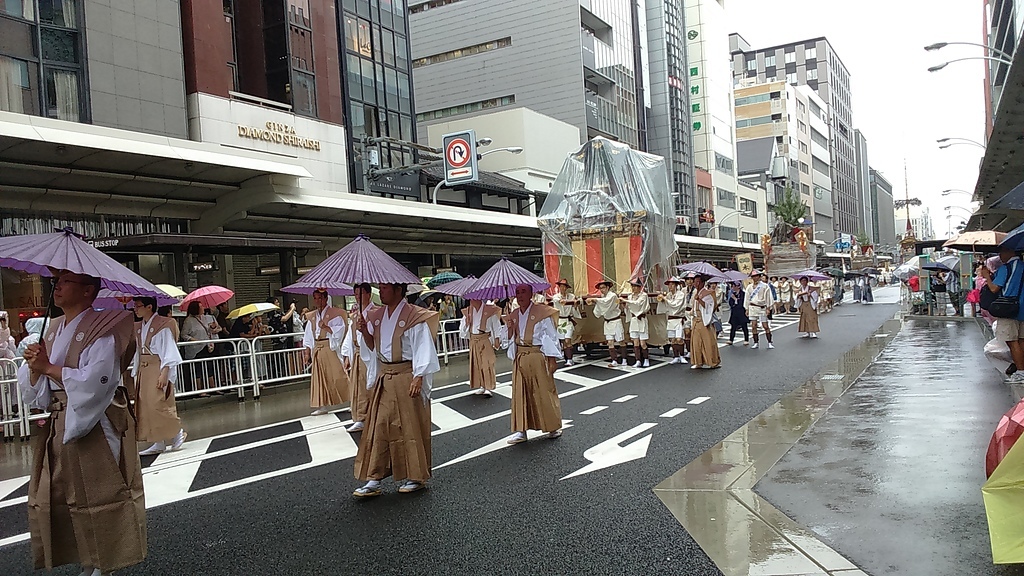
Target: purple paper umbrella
(64, 250)
(811, 275)
(358, 262)
(457, 287)
(108, 299)
(702, 268)
(501, 280)
(735, 275)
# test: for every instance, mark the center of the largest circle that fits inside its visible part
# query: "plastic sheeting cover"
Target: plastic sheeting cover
(609, 216)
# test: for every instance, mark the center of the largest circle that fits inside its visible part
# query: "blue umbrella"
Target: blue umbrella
(1015, 239)
(443, 278)
(937, 267)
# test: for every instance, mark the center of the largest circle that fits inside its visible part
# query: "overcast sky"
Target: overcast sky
(901, 108)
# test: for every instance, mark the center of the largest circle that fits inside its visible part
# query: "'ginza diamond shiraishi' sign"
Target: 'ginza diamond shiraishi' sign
(279, 134)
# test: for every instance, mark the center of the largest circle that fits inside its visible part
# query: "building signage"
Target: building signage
(112, 243)
(396, 185)
(203, 266)
(278, 133)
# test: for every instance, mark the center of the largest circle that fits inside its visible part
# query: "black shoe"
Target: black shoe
(1011, 369)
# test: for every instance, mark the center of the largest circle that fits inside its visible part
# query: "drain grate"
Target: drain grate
(832, 377)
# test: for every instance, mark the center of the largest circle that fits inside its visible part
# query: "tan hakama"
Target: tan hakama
(360, 395)
(84, 508)
(535, 404)
(396, 440)
(703, 343)
(328, 384)
(481, 362)
(157, 414)
(808, 318)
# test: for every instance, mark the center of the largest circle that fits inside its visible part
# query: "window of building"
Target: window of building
(769, 61)
(424, 6)
(462, 52)
(748, 207)
(466, 108)
(804, 168)
(744, 123)
(820, 166)
(805, 189)
(40, 58)
(803, 126)
(750, 238)
(818, 138)
(726, 198)
(812, 74)
(790, 57)
(791, 78)
(811, 53)
(755, 99)
(727, 233)
(723, 163)
(751, 65)
(803, 148)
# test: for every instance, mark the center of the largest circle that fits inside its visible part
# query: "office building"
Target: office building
(865, 200)
(711, 103)
(920, 222)
(611, 68)
(883, 222)
(792, 117)
(815, 64)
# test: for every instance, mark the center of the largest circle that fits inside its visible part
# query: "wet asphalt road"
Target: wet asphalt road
(506, 512)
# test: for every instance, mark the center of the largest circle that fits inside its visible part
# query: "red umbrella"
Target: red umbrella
(209, 297)
(1009, 429)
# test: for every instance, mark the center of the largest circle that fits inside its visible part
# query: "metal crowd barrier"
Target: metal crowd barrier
(234, 365)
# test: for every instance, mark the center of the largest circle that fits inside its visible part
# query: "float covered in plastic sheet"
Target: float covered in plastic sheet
(609, 216)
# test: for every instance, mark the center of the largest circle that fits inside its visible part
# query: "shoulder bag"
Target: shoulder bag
(1007, 306)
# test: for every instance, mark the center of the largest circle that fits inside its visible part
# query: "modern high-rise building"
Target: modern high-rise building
(813, 63)
(711, 104)
(793, 118)
(883, 222)
(865, 201)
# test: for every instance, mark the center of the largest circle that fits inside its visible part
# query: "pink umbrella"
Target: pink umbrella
(209, 297)
(1007, 432)
(501, 280)
(457, 287)
(358, 262)
(44, 254)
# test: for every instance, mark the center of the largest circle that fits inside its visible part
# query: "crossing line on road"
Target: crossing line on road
(625, 398)
(699, 400)
(673, 413)
(594, 410)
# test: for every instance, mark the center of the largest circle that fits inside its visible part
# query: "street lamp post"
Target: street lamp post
(722, 221)
(482, 142)
(960, 141)
(938, 67)
(991, 50)
(957, 191)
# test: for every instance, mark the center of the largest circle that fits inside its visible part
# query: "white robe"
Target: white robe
(492, 326)
(162, 344)
(417, 346)
(544, 335)
(90, 387)
(607, 306)
(348, 347)
(811, 297)
(707, 308)
(335, 338)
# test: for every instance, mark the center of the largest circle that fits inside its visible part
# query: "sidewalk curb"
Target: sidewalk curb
(713, 497)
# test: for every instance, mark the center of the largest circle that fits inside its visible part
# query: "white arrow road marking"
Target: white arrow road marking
(593, 410)
(699, 400)
(498, 445)
(673, 413)
(610, 453)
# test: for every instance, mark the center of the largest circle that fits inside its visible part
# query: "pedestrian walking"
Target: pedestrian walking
(608, 309)
(155, 372)
(568, 315)
(704, 352)
(673, 304)
(1008, 282)
(481, 325)
(738, 319)
(808, 299)
(760, 299)
(401, 338)
(325, 331)
(533, 349)
(85, 498)
(355, 356)
(637, 305)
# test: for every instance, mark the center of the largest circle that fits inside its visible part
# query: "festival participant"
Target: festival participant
(155, 372)
(533, 348)
(396, 441)
(607, 308)
(759, 301)
(637, 305)
(691, 296)
(786, 295)
(85, 499)
(481, 325)
(737, 314)
(352, 356)
(704, 352)
(325, 332)
(568, 314)
(808, 298)
(672, 304)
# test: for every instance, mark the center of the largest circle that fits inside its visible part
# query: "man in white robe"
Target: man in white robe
(325, 332)
(638, 305)
(155, 410)
(534, 350)
(608, 308)
(354, 358)
(759, 300)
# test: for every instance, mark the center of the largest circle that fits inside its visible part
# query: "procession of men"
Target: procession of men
(107, 383)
